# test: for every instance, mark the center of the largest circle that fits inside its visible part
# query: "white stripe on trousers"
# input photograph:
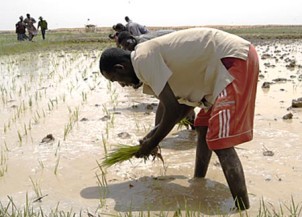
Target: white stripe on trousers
(224, 119)
(224, 123)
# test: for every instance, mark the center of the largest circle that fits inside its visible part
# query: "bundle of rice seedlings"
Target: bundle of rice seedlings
(185, 122)
(120, 154)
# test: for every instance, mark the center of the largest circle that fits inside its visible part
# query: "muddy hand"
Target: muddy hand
(145, 150)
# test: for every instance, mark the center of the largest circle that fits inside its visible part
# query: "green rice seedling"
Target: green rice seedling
(36, 120)
(57, 101)
(41, 164)
(103, 181)
(30, 102)
(57, 165)
(43, 112)
(120, 154)
(112, 118)
(29, 125)
(25, 130)
(9, 124)
(38, 114)
(25, 87)
(69, 109)
(36, 96)
(105, 110)
(4, 129)
(107, 130)
(19, 137)
(67, 129)
(20, 91)
(3, 162)
(36, 187)
(76, 114)
(295, 209)
(58, 148)
(104, 144)
(5, 145)
(50, 105)
(183, 123)
(64, 98)
(84, 96)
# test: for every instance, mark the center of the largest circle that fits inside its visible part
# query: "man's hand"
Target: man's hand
(146, 149)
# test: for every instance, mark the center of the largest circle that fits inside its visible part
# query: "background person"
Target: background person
(21, 30)
(199, 67)
(129, 41)
(135, 28)
(119, 27)
(29, 22)
(43, 25)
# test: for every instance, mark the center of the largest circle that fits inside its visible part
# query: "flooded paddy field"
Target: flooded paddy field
(59, 116)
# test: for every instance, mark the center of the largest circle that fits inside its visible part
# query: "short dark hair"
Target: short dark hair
(124, 35)
(120, 27)
(112, 56)
(127, 18)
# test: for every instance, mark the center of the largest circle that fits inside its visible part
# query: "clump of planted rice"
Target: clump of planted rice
(120, 154)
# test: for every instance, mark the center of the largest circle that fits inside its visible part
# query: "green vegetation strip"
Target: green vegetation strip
(120, 154)
(9, 45)
(78, 38)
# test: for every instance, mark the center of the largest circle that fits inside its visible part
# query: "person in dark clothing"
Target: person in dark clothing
(43, 25)
(119, 27)
(21, 30)
(134, 28)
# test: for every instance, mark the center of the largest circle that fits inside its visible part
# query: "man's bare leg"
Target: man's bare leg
(203, 153)
(234, 175)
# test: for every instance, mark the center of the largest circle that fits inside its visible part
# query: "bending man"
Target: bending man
(203, 67)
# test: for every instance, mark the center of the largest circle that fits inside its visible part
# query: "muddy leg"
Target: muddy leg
(234, 175)
(203, 153)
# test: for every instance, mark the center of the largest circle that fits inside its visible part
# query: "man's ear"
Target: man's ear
(118, 67)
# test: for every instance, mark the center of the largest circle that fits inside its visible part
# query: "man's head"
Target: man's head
(127, 41)
(21, 18)
(127, 19)
(28, 15)
(119, 27)
(41, 18)
(115, 65)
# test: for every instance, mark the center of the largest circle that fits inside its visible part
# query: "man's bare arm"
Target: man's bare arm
(171, 113)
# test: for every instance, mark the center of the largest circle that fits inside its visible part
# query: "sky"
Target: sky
(106, 13)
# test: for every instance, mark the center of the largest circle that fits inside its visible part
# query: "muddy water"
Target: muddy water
(61, 93)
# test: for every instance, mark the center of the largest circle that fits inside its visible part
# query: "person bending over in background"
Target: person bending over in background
(199, 67)
(119, 27)
(128, 41)
(135, 29)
